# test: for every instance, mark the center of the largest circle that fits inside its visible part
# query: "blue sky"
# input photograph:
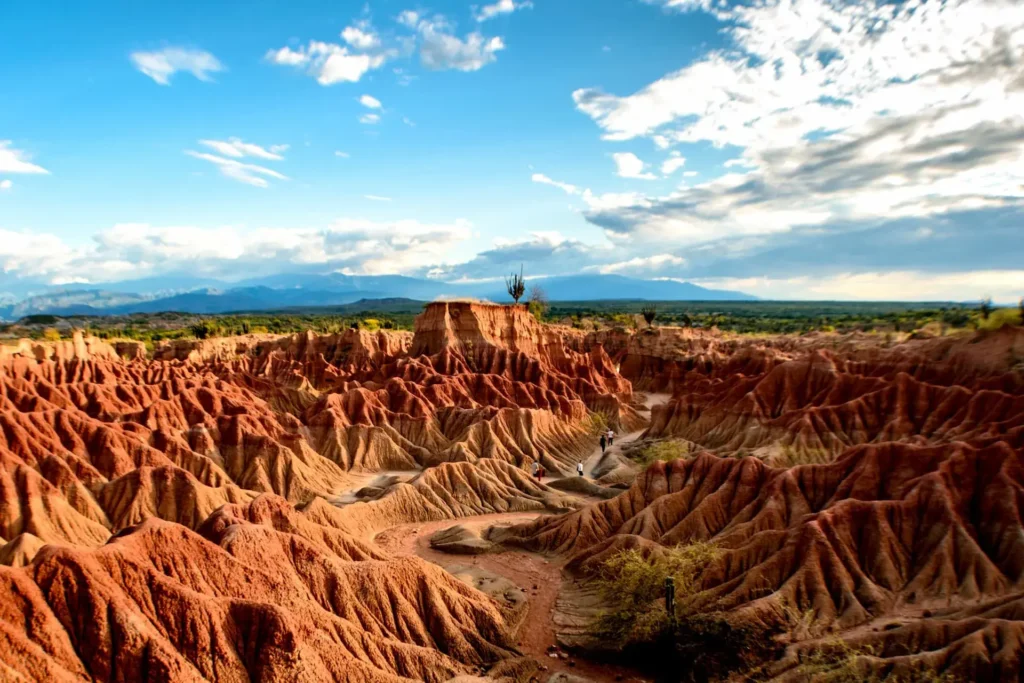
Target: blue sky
(788, 148)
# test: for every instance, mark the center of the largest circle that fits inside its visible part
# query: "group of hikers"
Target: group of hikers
(607, 440)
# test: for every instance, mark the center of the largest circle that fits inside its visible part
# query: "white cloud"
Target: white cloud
(544, 180)
(370, 119)
(409, 122)
(250, 174)
(641, 265)
(135, 250)
(327, 62)
(690, 174)
(361, 37)
(238, 149)
(500, 7)
(845, 112)
(408, 18)
(1001, 285)
(681, 5)
(674, 162)
(629, 165)
(15, 161)
(6, 184)
(376, 198)
(160, 65)
(370, 102)
(343, 155)
(441, 49)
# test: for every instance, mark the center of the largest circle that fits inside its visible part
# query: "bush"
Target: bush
(598, 423)
(662, 451)
(51, 334)
(203, 330)
(691, 647)
(998, 318)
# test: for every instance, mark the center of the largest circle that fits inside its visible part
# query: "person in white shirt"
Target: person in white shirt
(611, 437)
(579, 468)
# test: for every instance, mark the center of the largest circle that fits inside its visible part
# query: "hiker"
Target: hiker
(579, 468)
(611, 437)
(540, 474)
(604, 442)
(536, 467)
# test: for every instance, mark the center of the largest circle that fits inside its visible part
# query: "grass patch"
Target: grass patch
(836, 661)
(661, 451)
(790, 456)
(689, 647)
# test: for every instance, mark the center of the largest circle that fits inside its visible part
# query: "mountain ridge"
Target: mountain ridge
(295, 290)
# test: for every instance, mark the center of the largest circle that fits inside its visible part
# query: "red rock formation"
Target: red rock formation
(886, 531)
(821, 402)
(169, 519)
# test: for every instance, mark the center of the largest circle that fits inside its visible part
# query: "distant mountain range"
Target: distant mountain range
(190, 295)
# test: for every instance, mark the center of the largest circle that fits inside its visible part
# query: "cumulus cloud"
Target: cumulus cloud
(629, 165)
(6, 184)
(674, 162)
(370, 119)
(845, 112)
(370, 102)
(441, 49)
(15, 161)
(544, 180)
(500, 7)
(160, 65)
(361, 36)
(135, 250)
(329, 63)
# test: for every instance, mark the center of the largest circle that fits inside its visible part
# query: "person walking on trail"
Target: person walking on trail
(579, 468)
(536, 467)
(604, 442)
(611, 437)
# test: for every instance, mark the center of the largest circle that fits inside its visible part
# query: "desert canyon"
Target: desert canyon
(361, 506)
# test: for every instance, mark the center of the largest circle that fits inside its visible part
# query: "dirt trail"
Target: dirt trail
(538, 576)
(650, 400)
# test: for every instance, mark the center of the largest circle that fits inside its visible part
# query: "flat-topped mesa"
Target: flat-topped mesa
(508, 340)
(463, 326)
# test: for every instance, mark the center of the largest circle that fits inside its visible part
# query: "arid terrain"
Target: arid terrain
(361, 506)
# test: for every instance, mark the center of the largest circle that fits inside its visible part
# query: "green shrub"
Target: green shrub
(692, 646)
(598, 423)
(662, 451)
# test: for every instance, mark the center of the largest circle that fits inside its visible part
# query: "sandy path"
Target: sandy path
(540, 576)
(650, 400)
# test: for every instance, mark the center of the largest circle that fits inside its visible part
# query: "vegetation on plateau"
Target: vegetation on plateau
(737, 317)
